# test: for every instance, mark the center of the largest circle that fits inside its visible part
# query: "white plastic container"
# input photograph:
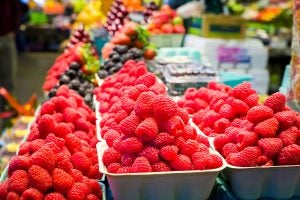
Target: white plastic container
(276, 182)
(179, 185)
(98, 130)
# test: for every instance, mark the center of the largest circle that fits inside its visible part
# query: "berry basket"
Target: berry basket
(192, 185)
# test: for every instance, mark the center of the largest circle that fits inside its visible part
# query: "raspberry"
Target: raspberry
(113, 167)
(110, 155)
(46, 125)
(181, 163)
(158, 88)
(246, 139)
(24, 148)
(169, 152)
(76, 175)
(70, 114)
(92, 197)
(192, 146)
(141, 164)
(36, 145)
(232, 133)
(242, 91)
(82, 124)
(242, 124)
(203, 161)
(286, 119)
(132, 92)
(289, 155)
(270, 147)
(210, 117)
(58, 117)
(163, 139)
(289, 136)
(81, 162)
(214, 161)
(229, 148)
(147, 79)
(220, 140)
(179, 142)
(267, 128)
(129, 125)
(198, 116)
(3, 190)
(190, 93)
(216, 104)
(32, 193)
(44, 157)
(94, 187)
(82, 135)
(39, 178)
(127, 104)
(203, 94)
(240, 107)
(79, 191)
(54, 196)
(18, 182)
(62, 181)
(144, 104)
(120, 115)
(173, 126)
(59, 142)
(276, 102)
(221, 124)
(244, 158)
(164, 107)
(147, 130)
(151, 153)
(124, 170)
(202, 140)
(297, 122)
(131, 145)
(183, 114)
(34, 134)
(12, 196)
(227, 111)
(73, 143)
(160, 167)
(18, 162)
(110, 136)
(252, 100)
(47, 107)
(127, 159)
(189, 132)
(62, 129)
(258, 114)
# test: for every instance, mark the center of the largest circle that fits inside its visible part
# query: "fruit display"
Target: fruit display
(59, 158)
(116, 17)
(133, 5)
(74, 78)
(131, 35)
(149, 10)
(268, 135)
(165, 21)
(82, 53)
(145, 130)
(79, 35)
(119, 55)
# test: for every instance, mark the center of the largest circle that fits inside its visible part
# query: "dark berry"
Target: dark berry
(81, 91)
(52, 93)
(75, 66)
(121, 49)
(115, 58)
(71, 73)
(102, 74)
(64, 79)
(75, 84)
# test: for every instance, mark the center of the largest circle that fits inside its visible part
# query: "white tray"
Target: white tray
(179, 185)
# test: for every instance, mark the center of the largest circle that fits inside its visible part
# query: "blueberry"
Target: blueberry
(115, 58)
(75, 84)
(64, 80)
(52, 93)
(71, 73)
(121, 49)
(102, 74)
(81, 91)
(75, 66)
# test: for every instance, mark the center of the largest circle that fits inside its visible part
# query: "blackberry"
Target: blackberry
(64, 79)
(75, 66)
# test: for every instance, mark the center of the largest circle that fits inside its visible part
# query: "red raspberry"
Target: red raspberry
(147, 130)
(160, 167)
(242, 91)
(164, 107)
(220, 140)
(18, 182)
(94, 186)
(173, 126)
(73, 143)
(289, 136)
(246, 139)
(227, 111)
(54, 196)
(267, 128)
(82, 135)
(124, 170)
(110, 155)
(127, 104)
(110, 136)
(24, 148)
(144, 104)
(141, 164)
(229, 148)
(18, 162)
(81, 162)
(276, 102)
(158, 88)
(163, 139)
(147, 79)
(200, 104)
(113, 167)
(263, 161)
(192, 146)
(189, 132)
(3, 190)
(62, 181)
(39, 178)
(120, 115)
(213, 161)
(47, 107)
(190, 93)
(76, 175)
(127, 159)
(82, 124)
(203, 161)
(289, 155)
(12, 196)
(32, 193)
(239, 107)
(183, 114)
(286, 119)
(129, 125)
(244, 158)
(59, 142)
(198, 116)
(151, 153)
(169, 152)
(131, 145)
(92, 197)
(259, 113)
(58, 117)
(210, 117)
(243, 124)
(46, 125)
(270, 147)
(297, 122)
(62, 129)
(203, 140)
(71, 114)
(221, 124)
(78, 191)
(45, 158)
(232, 133)
(132, 92)
(181, 163)
(179, 142)
(252, 100)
